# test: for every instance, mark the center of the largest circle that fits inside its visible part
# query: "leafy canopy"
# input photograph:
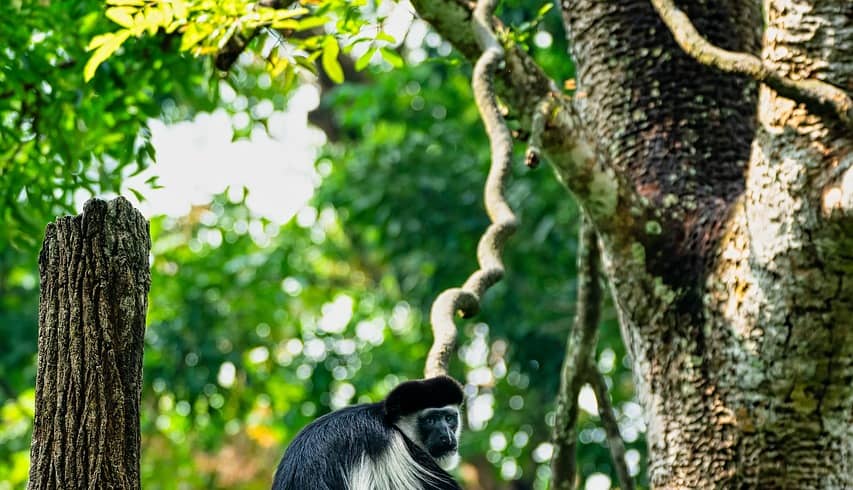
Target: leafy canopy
(290, 30)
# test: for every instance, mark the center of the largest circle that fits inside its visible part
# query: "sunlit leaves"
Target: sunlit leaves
(284, 19)
(392, 57)
(206, 26)
(61, 138)
(194, 34)
(381, 43)
(106, 45)
(384, 36)
(122, 16)
(363, 60)
(330, 60)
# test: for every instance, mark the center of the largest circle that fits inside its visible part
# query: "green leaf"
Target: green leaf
(122, 16)
(194, 34)
(311, 22)
(139, 196)
(180, 9)
(152, 182)
(544, 9)
(306, 63)
(154, 18)
(99, 40)
(384, 36)
(287, 14)
(285, 24)
(107, 48)
(330, 60)
(363, 60)
(392, 57)
(356, 42)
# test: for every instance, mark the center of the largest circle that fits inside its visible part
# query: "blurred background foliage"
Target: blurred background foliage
(256, 328)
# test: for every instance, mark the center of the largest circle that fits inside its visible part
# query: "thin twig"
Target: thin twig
(611, 428)
(467, 298)
(579, 349)
(537, 127)
(820, 97)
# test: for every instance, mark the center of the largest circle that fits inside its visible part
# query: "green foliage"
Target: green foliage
(60, 137)
(18, 318)
(521, 33)
(330, 59)
(529, 20)
(206, 26)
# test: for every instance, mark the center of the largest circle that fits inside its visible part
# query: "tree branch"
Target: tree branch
(537, 128)
(820, 97)
(557, 129)
(522, 84)
(466, 300)
(577, 361)
(611, 428)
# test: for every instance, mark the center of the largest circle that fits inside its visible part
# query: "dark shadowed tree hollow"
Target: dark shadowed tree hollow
(94, 290)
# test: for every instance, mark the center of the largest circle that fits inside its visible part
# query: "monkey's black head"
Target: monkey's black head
(413, 396)
(427, 412)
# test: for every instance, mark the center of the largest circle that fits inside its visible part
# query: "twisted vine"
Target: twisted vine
(577, 362)
(537, 128)
(817, 95)
(579, 368)
(611, 428)
(466, 300)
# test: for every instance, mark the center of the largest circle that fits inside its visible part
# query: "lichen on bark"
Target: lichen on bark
(731, 312)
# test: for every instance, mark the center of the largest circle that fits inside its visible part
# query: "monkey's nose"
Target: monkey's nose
(445, 439)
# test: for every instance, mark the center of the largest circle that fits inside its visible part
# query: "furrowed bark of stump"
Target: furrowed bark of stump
(94, 297)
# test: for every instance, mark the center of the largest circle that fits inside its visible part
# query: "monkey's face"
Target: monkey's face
(438, 430)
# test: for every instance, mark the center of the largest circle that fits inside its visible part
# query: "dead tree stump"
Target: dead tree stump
(94, 296)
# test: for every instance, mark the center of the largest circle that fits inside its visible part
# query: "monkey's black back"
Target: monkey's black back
(326, 449)
(323, 454)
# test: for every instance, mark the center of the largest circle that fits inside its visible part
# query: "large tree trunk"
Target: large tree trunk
(731, 272)
(94, 287)
(725, 215)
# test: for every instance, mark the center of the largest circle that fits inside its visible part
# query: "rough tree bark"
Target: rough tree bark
(733, 300)
(94, 290)
(725, 215)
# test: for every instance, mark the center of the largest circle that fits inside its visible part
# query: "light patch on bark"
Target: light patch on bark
(779, 301)
(603, 193)
(838, 195)
(580, 169)
(753, 391)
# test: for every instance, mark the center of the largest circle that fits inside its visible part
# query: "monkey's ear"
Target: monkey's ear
(412, 396)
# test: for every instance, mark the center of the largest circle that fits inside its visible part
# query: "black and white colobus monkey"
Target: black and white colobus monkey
(400, 443)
